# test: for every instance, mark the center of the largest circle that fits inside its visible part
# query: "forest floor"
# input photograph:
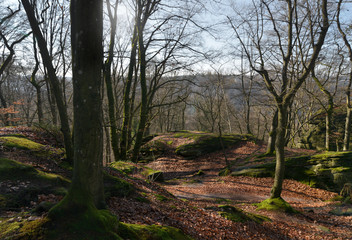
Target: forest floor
(190, 201)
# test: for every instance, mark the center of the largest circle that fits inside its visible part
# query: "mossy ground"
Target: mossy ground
(22, 228)
(237, 215)
(152, 232)
(275, 204)
(91, 225)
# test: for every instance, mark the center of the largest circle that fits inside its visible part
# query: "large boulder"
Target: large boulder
(330, 170)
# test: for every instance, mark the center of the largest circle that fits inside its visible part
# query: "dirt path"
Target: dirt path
(315, 220)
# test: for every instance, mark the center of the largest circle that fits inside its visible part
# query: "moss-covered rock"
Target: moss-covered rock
(153, 175)
(123, 166)
(116, 187)
(22, 227)
(207, 143)
(152, 232)
(329, 170)
(237, 215)
(315, 137)
(22, 183)
(275, 204)
(152, 150)
(34, 148)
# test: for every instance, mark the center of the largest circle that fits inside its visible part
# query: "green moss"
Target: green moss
(237, 215)
(337, 198)
(142, 199)
(153, 175)
(169, 142)
(160, 197)
(13, 170)
(37, 149)
(8, 227)
(13, 228)
(223, 200)
(152, 232)
(125, 167)
(21, 143)
(75, 217)
(340, 169)
(192, 181)
(33, 229)
(263, 171)
(275, 204)
(225, 172)
(199, 173)
(29, 183)
(116, 187)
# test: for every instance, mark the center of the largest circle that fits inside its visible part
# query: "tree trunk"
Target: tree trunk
(87, 68)
(272, 135)
(126, 99)
(143, 117)
(279, 148)
(55, 84)
(346, 140)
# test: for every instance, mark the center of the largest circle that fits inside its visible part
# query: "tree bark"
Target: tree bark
(280, 155)
(272, 135)
(87, 56)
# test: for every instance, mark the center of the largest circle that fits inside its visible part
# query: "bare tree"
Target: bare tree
(54, 81)
(289, 46)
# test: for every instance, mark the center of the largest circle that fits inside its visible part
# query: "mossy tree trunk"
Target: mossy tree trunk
(54, 82)
(108, 80)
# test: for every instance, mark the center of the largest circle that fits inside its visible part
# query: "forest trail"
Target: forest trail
(314, 221)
